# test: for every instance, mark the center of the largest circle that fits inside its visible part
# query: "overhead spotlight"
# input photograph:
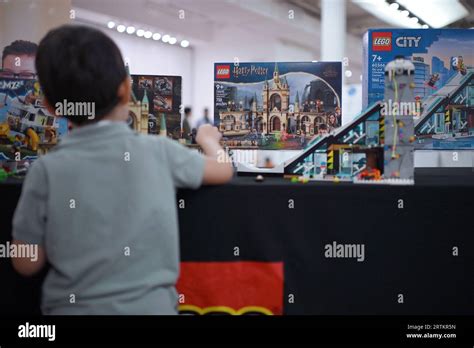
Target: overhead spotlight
(166, 38)
(405, 13)
(130, 30)
(348, 73)
(111, 25)
(121, 28)
(148, 34)
(184, 43)
(425, 26)
(140, 32)
(394, 6)
(156, 36)
(414, 19)
(172, 41)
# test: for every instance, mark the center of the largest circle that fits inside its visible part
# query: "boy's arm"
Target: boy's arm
(218, 166)
(29, 266)
(29, 221)
(190, 169)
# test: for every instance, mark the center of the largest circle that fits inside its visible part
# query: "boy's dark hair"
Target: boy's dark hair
(323, 126)
(18, 48)
(187, 110)
(80, 64)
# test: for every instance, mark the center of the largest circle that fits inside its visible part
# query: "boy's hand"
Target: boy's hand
(218, 168)
(207, 133)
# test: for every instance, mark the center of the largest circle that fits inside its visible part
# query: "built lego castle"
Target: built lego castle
(138, 112)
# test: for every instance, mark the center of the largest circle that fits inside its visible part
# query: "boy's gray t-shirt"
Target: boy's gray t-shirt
(103, 206)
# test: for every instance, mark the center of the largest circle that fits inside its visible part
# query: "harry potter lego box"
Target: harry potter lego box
(155, 105)
(443, 102)
(276, 106)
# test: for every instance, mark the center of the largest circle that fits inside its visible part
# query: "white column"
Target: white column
(333, 29)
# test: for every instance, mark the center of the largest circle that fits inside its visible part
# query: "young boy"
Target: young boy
(102, 205)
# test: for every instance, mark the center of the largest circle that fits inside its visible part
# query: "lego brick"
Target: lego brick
(399, 162)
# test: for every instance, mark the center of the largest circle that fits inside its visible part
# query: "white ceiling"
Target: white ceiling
(203, 18)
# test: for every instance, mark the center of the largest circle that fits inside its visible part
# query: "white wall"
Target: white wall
(231, 43)
(155, 58)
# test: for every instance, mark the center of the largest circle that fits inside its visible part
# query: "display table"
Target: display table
(250, 247)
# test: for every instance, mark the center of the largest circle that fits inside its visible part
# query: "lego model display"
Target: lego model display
(444, 81)
(276, 106)
(27, 129)
(155, 105)
(376, 147)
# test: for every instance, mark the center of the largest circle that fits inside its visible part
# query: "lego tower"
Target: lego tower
(399, 125)
(163, 125)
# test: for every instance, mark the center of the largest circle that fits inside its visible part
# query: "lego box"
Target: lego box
(155, 105)
(27, 129)
(443, 105)
(275, 106)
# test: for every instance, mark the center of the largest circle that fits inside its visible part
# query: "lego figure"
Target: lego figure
(459, 65)
(332, 122)
(371, 172)
(50, 135)
(18, 142)
(433, 79)
(323, 129)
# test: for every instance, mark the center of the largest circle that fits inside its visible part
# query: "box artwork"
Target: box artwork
(444, 81)
(27, 129)
(276, 106)
(155, 105)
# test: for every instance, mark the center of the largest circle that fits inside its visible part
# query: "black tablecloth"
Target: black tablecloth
(408, 251)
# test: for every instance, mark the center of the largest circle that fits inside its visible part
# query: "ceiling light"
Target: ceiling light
(394, 6)
(436, 13)
(140, 32)
(172, 41)
(165, 38)
(121, 28)
(111, 25)
(184, 43)
(425, 26)
(156, 36)
(148, 34)
(130, 30)
(414, 19)
(382, 10)
(405, 13)
(348, 73)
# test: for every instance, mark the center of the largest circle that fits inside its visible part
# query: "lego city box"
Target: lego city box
(155, 105)
(276, 105)
(443, 103)
(27, 128)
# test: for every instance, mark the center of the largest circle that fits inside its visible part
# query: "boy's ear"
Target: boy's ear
(124, 91)
(49, 107)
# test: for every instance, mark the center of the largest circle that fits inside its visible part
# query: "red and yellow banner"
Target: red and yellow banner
(234, 288)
